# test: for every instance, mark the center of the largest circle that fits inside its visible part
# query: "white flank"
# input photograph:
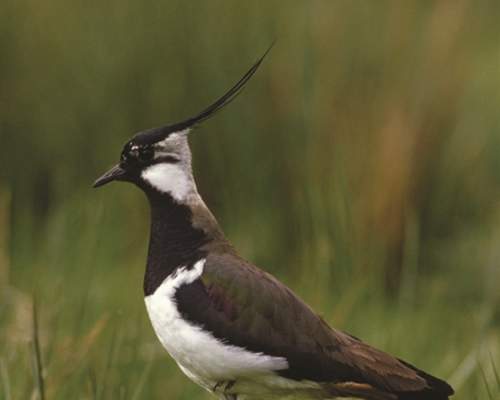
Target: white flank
(169, 178)
(202, 357)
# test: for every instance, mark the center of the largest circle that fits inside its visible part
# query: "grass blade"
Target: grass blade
(92, 385)
(142, 380)
(4, 376)
(483, 375)
(495, 371)
(37, 359)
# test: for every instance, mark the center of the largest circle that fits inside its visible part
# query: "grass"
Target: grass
(360, 167)
(90, 337)
(37, 358)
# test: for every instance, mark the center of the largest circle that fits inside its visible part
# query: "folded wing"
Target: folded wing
(246, 307)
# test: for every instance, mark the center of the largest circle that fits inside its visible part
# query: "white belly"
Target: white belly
(202, 357)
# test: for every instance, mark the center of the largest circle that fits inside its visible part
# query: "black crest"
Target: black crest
(154, 135)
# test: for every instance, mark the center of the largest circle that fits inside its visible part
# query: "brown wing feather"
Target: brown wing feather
(247, 307)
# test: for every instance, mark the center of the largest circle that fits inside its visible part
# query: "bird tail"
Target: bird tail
(436, 389)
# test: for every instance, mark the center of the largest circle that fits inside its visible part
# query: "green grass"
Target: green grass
(93, 339)
(360, 166)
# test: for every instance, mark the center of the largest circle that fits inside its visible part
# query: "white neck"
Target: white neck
(174, 179)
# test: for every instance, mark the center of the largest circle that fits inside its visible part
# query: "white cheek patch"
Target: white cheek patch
(169, 178)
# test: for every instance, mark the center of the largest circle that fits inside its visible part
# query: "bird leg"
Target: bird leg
(225, 386)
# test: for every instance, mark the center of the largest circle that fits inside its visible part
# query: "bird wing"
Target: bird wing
(247, 307)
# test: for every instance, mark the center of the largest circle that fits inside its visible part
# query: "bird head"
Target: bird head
(162, 166)
(159, 159)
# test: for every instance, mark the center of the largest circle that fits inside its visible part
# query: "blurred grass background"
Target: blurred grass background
(360, 166)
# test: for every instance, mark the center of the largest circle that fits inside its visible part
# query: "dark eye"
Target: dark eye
(145, 154)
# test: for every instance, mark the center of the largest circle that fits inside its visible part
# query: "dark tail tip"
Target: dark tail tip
(436, 389)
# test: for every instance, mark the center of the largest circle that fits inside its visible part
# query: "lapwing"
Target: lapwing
(233, 328)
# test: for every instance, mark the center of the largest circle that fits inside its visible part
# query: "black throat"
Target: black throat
(174, 241)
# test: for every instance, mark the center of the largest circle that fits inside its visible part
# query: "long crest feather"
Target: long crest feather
(154, 135)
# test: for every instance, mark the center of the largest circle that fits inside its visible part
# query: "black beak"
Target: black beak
(116, 173)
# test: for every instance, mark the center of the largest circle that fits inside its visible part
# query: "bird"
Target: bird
(231, 327)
